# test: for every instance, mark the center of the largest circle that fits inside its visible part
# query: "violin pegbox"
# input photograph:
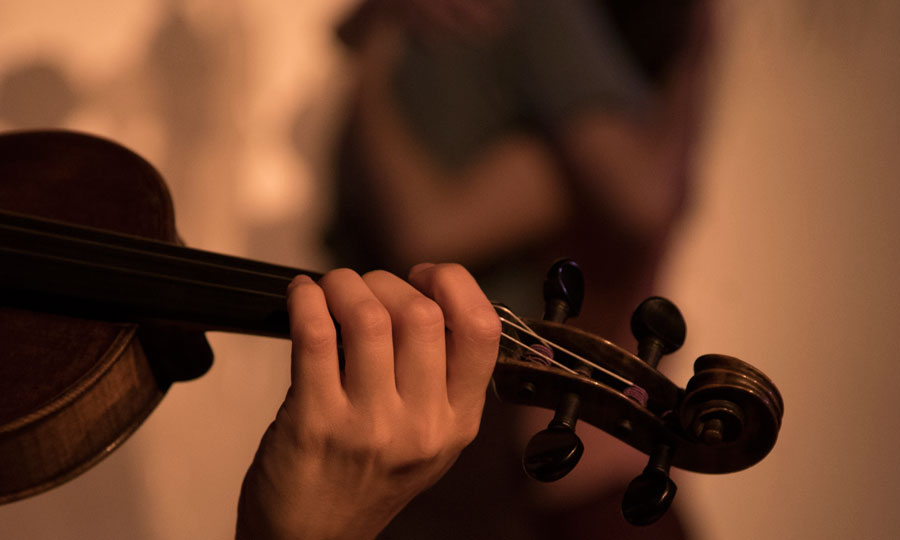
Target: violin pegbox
(725, 420)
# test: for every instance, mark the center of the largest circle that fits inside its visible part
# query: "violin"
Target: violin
(102, 309)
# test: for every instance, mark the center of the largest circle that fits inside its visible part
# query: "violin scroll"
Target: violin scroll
(728, 402)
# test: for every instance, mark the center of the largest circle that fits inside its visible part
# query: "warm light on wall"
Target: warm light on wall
(790, 258)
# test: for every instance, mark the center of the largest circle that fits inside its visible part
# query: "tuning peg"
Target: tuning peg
(650, 495)
(659, 329)
(554, 452)
(563, 291)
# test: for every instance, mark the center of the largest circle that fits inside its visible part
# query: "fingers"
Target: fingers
(364, 442)
(418, 336)
(431, 346)
(366, 335)
(315, 375)
(473, 330)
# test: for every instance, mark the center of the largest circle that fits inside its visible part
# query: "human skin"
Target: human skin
(350, 448)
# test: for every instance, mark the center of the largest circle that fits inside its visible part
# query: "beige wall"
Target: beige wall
(791, 262)
(788, 259)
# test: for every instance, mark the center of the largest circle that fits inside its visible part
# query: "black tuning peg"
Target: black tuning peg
(554, 452)
(659, 329)
(650, 495)
(563, 291)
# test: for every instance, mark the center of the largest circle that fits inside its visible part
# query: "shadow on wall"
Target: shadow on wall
(175, 78)
(36, 95)
(172, 83)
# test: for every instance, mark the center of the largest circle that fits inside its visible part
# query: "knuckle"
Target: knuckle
(466, 435)
(419, 452)
(339, 273)
(483, 324)
(301, 287)
(336, 277)
(424, 315)
(316, 335)
(449, 272)
(468, 425)
(371, 441)
(420, 268)
(429, 444)
(369, 318)
(377, 274)
(298, 281)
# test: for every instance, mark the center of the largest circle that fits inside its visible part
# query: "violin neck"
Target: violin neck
(52, 266)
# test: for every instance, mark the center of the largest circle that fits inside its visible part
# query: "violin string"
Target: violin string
(113, 246)
(520, 325)
(157, 251)
(549, 359)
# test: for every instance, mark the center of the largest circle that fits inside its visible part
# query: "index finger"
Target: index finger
(315, 371)
(473, 329)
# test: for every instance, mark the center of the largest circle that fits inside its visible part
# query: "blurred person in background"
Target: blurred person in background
(505, 134)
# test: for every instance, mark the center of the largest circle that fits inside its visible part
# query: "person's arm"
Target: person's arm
(509, 195)
(349, 449)
(634, 165)
(626, 166)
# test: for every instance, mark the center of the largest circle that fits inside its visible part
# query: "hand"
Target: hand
(348, 450)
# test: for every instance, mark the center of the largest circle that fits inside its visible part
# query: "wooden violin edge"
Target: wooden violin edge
(78, 430)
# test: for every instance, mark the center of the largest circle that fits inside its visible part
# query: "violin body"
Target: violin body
(72, 389)
(65, 408)
(101, 309)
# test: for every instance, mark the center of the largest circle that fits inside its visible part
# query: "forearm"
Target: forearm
(635, 165)
(632, 174)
